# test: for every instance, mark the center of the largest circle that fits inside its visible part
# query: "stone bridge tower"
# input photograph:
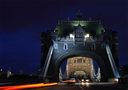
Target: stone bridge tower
(79, 38)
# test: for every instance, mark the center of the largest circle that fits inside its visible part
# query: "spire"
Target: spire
(99, 21)
(79, 15)
(59, 22)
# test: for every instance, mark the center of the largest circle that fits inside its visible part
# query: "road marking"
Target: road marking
(4, 83)
(81, 87)
(62, 83)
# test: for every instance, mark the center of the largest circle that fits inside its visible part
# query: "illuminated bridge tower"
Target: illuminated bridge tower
(79, 38)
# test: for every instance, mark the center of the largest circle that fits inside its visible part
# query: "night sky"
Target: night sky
(21, 22)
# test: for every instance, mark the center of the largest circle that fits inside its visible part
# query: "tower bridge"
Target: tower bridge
(79, 38)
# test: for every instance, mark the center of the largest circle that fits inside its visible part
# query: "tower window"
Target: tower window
(55, 45)
(74, 61)
(65, 47)
(83, 61)
(79, 61)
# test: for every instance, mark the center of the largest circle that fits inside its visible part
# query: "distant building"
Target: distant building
(80, 67)
(2, 74)
(124, 70)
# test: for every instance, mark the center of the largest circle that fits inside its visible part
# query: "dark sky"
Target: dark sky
(21, 22)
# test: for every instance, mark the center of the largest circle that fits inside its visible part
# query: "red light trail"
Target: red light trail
(19, 87)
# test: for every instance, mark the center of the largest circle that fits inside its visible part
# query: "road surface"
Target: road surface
(67, 86)
(84, 86)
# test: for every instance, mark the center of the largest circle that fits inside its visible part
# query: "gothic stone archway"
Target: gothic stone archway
(53, 71)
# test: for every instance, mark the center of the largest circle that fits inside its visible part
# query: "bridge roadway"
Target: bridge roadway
(66, 86)
(85, 86)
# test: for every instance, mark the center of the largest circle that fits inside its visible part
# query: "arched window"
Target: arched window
(83, 61)
(74, 61)
(65, 47)
(55, 45)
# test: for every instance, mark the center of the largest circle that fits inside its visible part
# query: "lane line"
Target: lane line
(5, 83)
(81, 88)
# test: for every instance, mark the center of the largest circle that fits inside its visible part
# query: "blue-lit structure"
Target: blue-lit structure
(79, 38)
